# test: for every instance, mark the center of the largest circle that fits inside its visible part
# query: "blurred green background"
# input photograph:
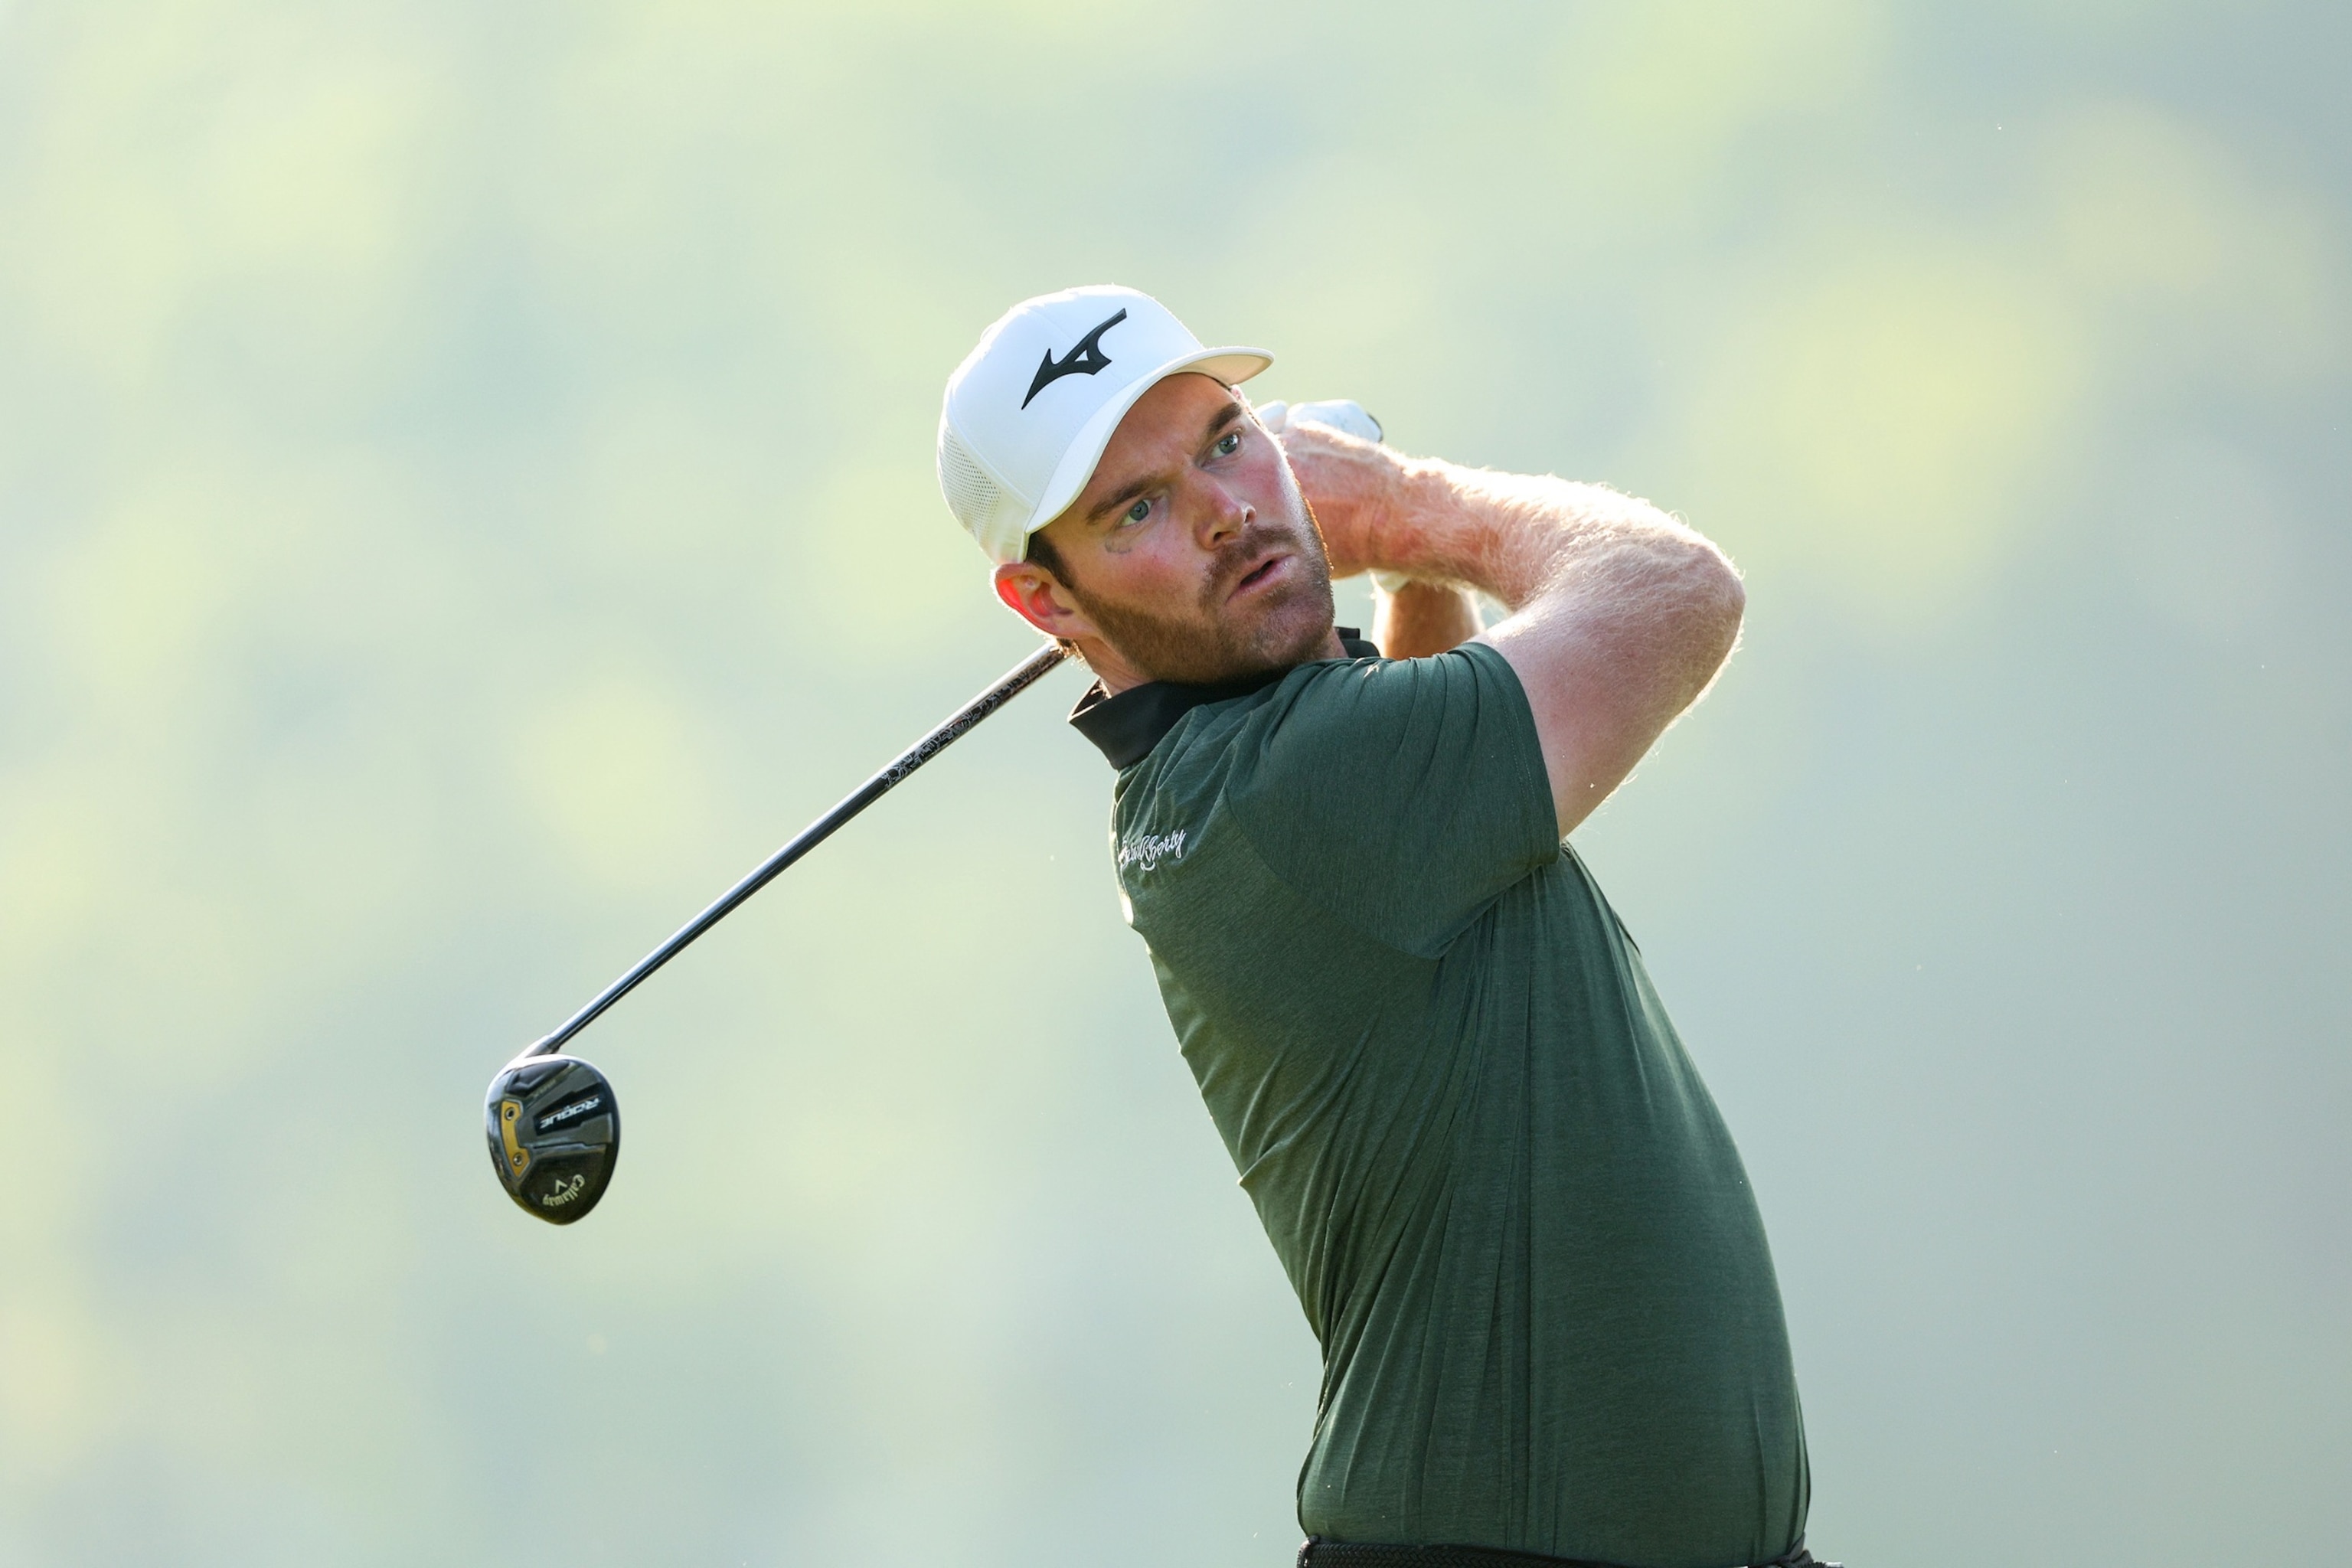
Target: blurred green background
(466, 494)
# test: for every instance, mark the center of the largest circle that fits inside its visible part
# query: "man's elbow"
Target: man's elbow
(1713, 602)
(1714, 599)
(1728, 597)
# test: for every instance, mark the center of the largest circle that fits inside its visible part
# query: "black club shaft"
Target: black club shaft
(1015, 681)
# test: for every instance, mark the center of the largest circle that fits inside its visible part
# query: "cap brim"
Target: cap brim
(1230, 366)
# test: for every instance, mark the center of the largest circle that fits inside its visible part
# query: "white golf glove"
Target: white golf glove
(1346, 416)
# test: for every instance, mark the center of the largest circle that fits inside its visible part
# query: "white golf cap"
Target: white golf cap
(1030, 410)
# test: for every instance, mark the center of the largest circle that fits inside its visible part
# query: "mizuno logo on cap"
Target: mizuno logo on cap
(1084, 360)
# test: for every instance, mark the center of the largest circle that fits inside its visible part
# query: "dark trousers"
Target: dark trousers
(1318, 1553)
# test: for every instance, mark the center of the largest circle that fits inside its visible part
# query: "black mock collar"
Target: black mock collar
(1126, 726)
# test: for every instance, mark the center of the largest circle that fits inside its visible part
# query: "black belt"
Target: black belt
(1319, 1553)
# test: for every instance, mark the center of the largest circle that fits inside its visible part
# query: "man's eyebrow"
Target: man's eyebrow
(1124, 494)
(1225, 414)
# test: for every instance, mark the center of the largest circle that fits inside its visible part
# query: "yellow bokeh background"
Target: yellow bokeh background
(466, 494)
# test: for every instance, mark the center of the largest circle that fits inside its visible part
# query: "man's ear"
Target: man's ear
(1031, 591)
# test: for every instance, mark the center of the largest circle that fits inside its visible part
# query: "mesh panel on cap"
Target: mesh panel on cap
(972, 495)
(992, 512)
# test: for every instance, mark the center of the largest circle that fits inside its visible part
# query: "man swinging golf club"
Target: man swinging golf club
(1515, 1218)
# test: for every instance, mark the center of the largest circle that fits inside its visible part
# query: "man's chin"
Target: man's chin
(1287, 632)
(1307, 636)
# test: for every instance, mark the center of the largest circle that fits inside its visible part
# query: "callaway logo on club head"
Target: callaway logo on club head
(564, 1192)
(1084, 360)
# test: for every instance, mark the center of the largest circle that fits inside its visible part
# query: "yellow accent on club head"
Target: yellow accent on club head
(517, 1157)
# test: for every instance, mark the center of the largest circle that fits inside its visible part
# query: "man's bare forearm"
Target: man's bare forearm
(1619, 615)
(1551, 548)
(1519, 536)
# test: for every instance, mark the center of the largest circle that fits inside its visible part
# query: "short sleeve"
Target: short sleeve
(1402, 796)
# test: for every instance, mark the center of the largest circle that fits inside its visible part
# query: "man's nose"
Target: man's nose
(1223, 513)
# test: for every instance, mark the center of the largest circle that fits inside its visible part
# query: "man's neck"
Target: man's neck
(1113, 673)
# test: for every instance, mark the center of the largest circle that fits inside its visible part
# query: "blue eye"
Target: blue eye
(1229, 443)
(1138, 511)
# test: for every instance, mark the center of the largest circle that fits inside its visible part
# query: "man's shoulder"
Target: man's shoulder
(1198, 749)
(1172, 806)
(1398, 796)
(1332, 711)
(1343, 713)
(1334, 750)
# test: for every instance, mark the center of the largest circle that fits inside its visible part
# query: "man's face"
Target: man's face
(1190, 554)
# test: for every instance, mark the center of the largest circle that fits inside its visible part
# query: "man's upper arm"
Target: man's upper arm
(1609, 662)
(1402, 796)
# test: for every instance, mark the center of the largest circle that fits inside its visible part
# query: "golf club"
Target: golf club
(553, 1126)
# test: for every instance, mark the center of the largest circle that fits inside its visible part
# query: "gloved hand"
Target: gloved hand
(1349, 419)
(1340, 413)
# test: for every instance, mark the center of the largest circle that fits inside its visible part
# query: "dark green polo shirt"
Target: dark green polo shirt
(1510, 1209)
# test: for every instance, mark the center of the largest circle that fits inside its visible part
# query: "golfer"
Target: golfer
(1513, 1217)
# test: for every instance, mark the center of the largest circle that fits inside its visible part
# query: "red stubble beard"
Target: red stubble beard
(1284, 623)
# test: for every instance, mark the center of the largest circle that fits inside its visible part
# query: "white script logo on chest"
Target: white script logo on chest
(1145, 851)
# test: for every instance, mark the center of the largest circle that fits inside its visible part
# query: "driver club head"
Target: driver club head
(555, 1135)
